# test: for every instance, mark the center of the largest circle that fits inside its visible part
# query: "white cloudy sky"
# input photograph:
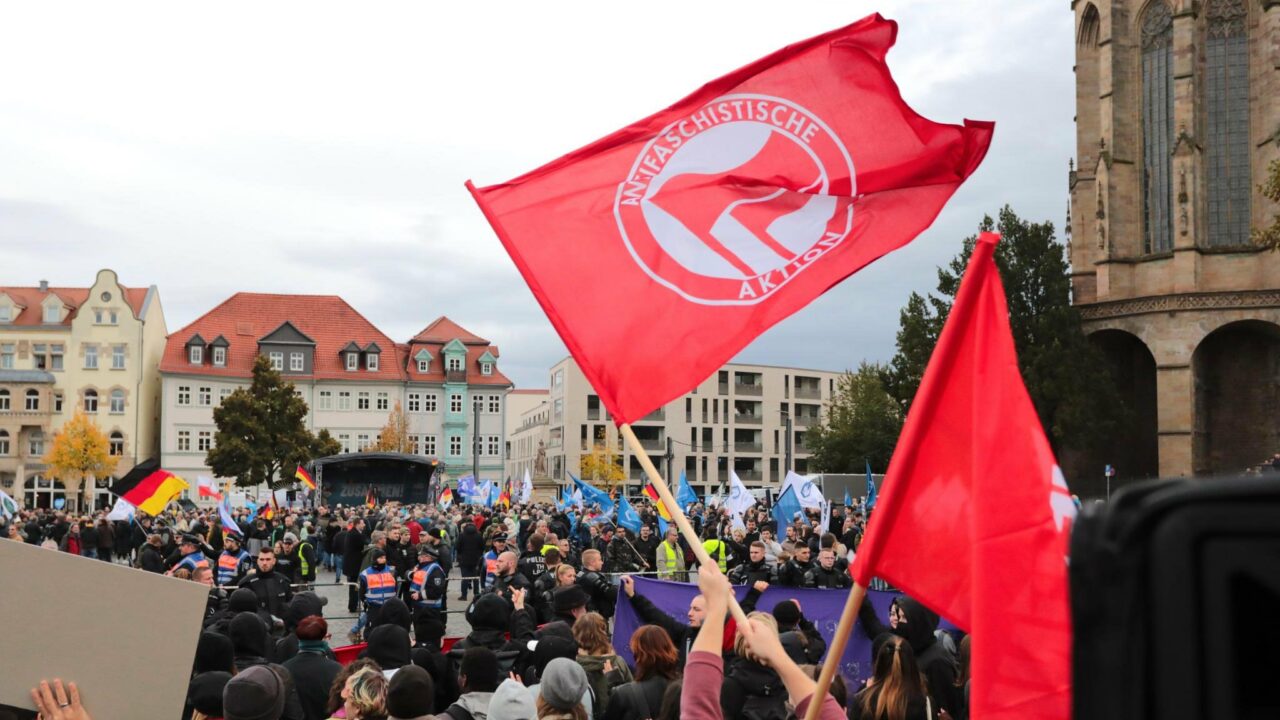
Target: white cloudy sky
(322, 147)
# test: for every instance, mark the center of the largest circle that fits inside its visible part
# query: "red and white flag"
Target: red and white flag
(661, 250)
(974, 516)
(206, 488)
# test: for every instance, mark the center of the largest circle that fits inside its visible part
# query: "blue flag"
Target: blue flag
(494, 491)
(848, 499)
(685, 496)
(627, 515)
(662, 527)
(786, 510)
(253, 510)
(870, 501)
(467, 486)
(593, 495)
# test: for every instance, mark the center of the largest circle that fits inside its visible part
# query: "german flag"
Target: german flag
(504, 498)
(446, 498)
(652, 492)
(304, 477)
(148, 487)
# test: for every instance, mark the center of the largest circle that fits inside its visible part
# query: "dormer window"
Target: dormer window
(52, 314)
(486, 363)
(6, 313)
(453, 364)
(353, 361)
(486, 368)
(424, 360)
(371, 361)
(424, 366)
(219, 356)
(195, 354)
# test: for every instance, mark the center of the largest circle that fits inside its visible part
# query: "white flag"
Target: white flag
(526, 490)
(740, 498)
(807, 493)
(8, 506)
(122, 510)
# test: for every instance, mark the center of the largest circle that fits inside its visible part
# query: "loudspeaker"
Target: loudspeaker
(1175, 601)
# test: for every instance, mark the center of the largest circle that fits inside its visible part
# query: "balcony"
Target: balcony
(742, 419)
(751, 447)
(747, 389)
(593, 413)
(653, 444)
(808, 392)
(723, 388)
(708, 446)
(455, 376)
(749, 475)
(800, 448)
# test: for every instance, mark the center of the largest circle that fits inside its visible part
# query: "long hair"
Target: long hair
(340, 681)
(546, 711)
(368, 692)
(671, 701)
(962, 677)
(740, 646)
(592, 634)
(897, 681)
(655, 655)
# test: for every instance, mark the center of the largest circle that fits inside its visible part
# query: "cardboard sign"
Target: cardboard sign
(126, 637)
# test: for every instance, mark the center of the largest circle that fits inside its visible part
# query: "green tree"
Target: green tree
(325, 445)
(1066, 376)
(79, 451)
(1269, 236)
(861, 425)
(262, 434)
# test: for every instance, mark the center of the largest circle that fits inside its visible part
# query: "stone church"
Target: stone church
(1177, 120)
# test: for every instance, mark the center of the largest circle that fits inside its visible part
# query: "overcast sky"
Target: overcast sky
(322, 148)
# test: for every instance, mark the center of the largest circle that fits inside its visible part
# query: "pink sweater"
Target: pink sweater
(700, 695)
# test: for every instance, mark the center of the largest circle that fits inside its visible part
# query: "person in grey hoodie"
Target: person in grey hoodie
(512, 702)
(478, 678)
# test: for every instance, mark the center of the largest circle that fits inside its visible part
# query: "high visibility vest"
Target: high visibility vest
(303, 565)
(716, 546)
(668, 558)
(192, 561)
(490, 567)
(418, 582)
(229, 565)
(380, 585)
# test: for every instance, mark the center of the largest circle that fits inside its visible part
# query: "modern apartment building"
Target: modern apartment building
(64, 349)
(350, 374)
(735, 419)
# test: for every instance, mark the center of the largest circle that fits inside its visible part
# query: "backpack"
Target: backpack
(767, 702)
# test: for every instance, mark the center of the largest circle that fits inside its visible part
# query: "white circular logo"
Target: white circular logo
(729, 203)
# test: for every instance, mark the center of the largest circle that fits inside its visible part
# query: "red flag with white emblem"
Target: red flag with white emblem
(660, 251)
(974, 515)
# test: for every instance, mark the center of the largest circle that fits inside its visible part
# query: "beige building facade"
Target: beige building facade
(64, 349)
(736, 419)
(1178, 118)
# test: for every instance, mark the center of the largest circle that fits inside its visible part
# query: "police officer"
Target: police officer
(427, 582)
(826, 574)
(234, 562)
(192, 558)
(271, 587)
(377, 586)
(491, 559)
(756, 569)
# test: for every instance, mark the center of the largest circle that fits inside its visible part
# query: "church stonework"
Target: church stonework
(1177, 120)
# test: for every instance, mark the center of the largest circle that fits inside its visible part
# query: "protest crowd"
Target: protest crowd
(539, 585)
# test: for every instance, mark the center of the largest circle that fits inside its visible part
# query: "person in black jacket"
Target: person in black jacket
(799, 637)
(682, 635)
(152, 559)
(756, 569)
(271, 588)
(791, 573)
(470, 551)
(825, 574)
(312, 668)
(352, 555)
(603, 595)
(915, 623)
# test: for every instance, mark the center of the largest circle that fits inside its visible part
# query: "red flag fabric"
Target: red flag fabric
(974, 515)
(661, 250)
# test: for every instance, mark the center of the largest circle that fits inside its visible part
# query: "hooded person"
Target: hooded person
(241, 600)
(478, 678)
(214, 652)
(410, 695)
(204, 694)
(394, 612)
(511, 701)
(313, 668)
(913, 622)
(801, 640)
(389, 647)
(303, 605)
(249, 637)
(426, 653)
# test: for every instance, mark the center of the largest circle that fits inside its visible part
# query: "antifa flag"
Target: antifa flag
(974, 514)
(697, 228)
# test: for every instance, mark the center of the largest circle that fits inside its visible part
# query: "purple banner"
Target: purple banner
(821, 607)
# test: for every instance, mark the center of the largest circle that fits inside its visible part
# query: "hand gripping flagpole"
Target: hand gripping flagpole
(682, 522)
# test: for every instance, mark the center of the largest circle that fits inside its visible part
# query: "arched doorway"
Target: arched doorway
(1237, 397)
(1134, 450)
(41, 492)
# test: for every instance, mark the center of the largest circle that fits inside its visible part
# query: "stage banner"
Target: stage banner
(821, 607)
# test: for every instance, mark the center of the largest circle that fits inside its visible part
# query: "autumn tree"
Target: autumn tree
(80, 451)
(861, 424)
(1269, 236)
(603, 465)
(394, 436)
(262, 433)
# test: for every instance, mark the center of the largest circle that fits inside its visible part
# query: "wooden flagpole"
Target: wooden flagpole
(835, 650)
(682, 522)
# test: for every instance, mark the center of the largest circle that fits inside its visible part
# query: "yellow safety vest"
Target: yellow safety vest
(713, 546)
(670, 556)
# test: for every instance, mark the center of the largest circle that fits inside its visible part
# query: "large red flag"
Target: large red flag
(974, 515)
(660, 251)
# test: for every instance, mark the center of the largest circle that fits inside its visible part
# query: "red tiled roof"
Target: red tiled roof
(30, 298)
(530, 391)
(244, 318)
(442, 330)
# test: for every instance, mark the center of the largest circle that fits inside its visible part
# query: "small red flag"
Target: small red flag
(697, 228)
(974, 515)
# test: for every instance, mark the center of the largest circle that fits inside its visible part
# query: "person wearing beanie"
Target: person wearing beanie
(512, 701)
(569, 603)
(389, 647)
(478, 678)
(562, 687)
(558, 643)
(204, 694)
(427, 581)
(249, 637)
(428, 633)
(257, 693)
(801, 640)
(411, 695)
(214, 652)
(313, 668)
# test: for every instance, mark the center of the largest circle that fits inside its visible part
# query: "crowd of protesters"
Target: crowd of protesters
(539, 590)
